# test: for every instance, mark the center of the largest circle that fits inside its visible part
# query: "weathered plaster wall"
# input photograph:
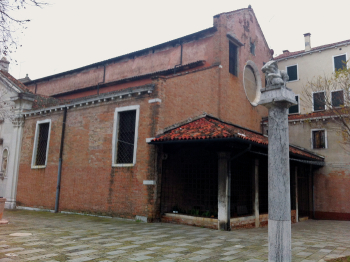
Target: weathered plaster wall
(309, 67)
(331, 182)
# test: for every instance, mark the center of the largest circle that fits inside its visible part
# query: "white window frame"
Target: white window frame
(324, 101)
(325, 138)
(35, 146)
(297, 73)
(346, 59)
(336, 91)
(298, 107)
(115, 134)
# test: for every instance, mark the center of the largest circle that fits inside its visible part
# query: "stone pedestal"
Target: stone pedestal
(224, 191)
(278, 100)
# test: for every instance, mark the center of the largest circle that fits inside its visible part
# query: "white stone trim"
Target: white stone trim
(258, 82)
(35, 146)
(149, 182)
(155, 100)
(297, 72)
(141, 218)
(115, 135)
(148, 140)
(346, 59)
(325, 138)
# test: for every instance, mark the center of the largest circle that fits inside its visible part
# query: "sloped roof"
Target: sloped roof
(319, 114)
(318, 48)
(39, 101)
(14, 81)
(209, 127)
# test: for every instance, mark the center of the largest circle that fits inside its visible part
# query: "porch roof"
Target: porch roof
(210, 128)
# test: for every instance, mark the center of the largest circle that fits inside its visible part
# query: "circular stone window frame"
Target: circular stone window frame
(258, 82)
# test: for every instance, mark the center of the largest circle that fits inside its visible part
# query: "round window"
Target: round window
(252, 83)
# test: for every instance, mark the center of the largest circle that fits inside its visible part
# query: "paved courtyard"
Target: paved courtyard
(64, 237)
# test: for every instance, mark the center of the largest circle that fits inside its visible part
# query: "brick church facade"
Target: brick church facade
(108, 138)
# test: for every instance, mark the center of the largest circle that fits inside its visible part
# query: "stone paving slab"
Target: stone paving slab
(75, 238)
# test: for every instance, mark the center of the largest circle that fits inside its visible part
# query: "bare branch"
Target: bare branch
(331, 94)
(9, 24)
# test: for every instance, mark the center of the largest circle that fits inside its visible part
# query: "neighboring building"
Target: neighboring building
(14, 99)
(158, 131)
(312, 126)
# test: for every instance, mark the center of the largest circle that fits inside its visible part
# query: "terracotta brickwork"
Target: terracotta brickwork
(89, 182)
(332, 194)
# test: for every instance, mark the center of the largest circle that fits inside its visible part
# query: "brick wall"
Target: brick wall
(89, 182)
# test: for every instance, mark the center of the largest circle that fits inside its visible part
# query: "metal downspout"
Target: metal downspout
(60, 161)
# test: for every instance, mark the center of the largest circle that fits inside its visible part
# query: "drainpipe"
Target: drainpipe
(180, 58)
(103, 81)
(60, 161)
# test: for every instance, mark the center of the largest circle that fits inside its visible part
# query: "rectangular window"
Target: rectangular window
(319, 139)
(319, 102)
(337, 98)
(292, 72)
(252, 48)
(125, 136)
(295, 109)
(41, 144)
(339, 62)
(233, 59)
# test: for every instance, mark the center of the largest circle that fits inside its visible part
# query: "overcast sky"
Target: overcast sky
(72, 33)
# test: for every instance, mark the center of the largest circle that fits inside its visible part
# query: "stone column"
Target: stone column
(256, 195)
(224, 191)
(278, 98)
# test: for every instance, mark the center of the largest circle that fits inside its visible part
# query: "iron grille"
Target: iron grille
(242, 187)
(126, 137)
(190, 183)
(41, 149)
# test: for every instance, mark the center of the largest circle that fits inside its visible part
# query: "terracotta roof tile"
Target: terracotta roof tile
(212, 128)
(319, 114)
(19, 84)
(291, 54)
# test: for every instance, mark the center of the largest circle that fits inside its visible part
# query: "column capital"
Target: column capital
(18, 121)
(279, 96)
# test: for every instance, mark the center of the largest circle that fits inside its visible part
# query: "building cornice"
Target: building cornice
(105, 97)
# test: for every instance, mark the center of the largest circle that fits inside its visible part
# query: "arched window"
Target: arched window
(5, 155)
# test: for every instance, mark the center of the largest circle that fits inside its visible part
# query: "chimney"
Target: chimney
(307, 42)
(4, 64)
(285, 51)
